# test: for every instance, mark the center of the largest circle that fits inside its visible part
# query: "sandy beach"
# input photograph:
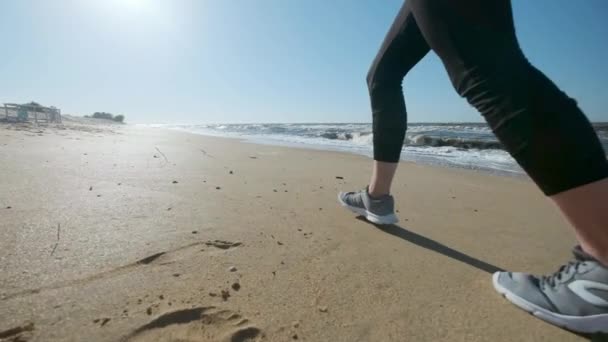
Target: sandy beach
(124, 233)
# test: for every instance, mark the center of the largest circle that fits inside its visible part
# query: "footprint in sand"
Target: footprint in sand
(160, 258)
(21, 333)
(222, 244)
(197, 324)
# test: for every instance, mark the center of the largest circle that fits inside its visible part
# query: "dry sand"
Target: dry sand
(120, 233)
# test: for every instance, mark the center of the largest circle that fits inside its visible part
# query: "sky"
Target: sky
(230, 61)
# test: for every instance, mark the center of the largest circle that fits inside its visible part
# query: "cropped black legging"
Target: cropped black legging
(540, 126)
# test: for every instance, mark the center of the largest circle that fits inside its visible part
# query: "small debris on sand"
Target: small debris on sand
(236, 286)
(232, 269)
(194, 232)
(339, 177)
(175, 182)
(225, 295)
(223, 244)
(323, 308)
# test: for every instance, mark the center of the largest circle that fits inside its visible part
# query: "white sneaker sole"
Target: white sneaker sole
(371, 217)
(583, 324)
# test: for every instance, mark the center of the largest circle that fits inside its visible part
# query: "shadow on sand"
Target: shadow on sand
(442, 249)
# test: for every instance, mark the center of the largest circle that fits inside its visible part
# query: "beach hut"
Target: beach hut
(31, 112)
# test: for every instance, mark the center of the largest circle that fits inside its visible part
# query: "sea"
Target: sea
(461, 145)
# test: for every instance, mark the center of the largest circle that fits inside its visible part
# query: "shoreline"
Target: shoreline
(368, 154)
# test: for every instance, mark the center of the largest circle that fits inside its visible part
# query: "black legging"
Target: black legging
(540, 126)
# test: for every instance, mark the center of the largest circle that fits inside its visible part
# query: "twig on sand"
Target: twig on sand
(206, 154)
(164, 156)
(58, 236)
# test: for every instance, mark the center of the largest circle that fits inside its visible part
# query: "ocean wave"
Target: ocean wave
(336, 136)
(420, 140)
(432, 141)
(361, 138)
(471, 128)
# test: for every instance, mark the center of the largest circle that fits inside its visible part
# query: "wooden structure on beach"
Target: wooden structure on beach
(31, 112)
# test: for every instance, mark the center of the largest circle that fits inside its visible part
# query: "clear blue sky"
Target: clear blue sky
(191, 61)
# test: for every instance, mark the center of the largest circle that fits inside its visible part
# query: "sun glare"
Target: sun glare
(149, 11)
(136, 4)
(128, 6)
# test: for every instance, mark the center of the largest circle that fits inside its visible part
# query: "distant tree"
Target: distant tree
(103, 115)
(119, 118)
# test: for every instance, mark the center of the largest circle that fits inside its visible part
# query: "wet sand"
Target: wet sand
(120, 233)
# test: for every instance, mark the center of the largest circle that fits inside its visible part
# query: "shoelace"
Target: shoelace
(355, 198)
(551, 280)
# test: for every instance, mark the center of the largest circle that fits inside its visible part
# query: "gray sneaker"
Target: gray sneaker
(376, 210)
(575, 297)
